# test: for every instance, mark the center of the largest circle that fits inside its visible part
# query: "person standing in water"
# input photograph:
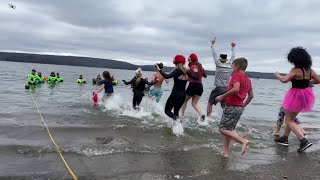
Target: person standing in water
(222, 75)
(156, 91)
(97, 80)
(32, 77)
(39, 78)
(235, 101)
(195, 88)
(138, 84)
(81, 80)
(300, 98)
(178, 93)
(59, 79)
(106, 84)
(52, 78)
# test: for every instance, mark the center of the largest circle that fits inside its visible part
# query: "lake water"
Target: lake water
(143, 145)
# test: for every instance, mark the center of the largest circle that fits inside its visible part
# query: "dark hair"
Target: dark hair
(106, 75)
(241, 62)
(300, 58)
(160, 65)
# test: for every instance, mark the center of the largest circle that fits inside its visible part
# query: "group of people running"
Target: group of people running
(233, 89)
(34, 79)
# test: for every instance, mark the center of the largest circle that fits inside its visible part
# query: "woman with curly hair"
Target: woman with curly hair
(300, 97)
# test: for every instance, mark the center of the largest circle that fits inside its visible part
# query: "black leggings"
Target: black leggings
(175, 102)
(137, 98)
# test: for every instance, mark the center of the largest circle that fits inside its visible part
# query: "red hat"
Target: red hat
(179, 59)
(193, 57)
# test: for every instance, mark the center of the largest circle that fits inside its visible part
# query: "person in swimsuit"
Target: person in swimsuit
(195, 88)
(178, 93)
(156, 91)
(300, 98)
(138, 84)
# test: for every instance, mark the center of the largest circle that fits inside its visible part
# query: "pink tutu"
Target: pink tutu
(299, 100)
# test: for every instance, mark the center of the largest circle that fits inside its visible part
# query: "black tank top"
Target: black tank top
(302, 83)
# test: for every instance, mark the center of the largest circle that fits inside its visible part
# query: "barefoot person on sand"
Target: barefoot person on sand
(238, 89)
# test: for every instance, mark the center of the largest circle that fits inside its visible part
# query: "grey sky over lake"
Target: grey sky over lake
(149, 31)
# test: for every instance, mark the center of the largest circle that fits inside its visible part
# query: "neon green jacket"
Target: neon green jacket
(31, 78)
(81, 81)
(59, 79)
(51, 79)
(39, 79)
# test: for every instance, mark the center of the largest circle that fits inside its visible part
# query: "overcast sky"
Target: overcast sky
(149, 31)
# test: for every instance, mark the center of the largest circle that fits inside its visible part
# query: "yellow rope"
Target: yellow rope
(55, 144)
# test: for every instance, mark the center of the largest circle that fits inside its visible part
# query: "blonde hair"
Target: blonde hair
(138, 75)
(182, 68)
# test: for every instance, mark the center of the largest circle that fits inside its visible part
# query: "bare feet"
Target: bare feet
(225, 155)
(244, 147)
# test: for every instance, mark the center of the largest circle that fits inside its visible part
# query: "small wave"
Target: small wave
(88, 150)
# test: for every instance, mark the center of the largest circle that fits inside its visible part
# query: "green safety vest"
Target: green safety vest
(38, 78)
(59, 79)
(81, 81)
(52, 79)
(31, 78)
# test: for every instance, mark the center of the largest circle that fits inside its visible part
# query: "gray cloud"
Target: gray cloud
(145, 31)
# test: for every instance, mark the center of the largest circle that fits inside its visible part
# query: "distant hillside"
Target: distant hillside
(95, 62)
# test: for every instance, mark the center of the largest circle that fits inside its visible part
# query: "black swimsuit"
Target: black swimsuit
(302, 83)
(178, 94)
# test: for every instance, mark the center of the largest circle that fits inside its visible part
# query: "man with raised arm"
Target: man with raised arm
(222, 75)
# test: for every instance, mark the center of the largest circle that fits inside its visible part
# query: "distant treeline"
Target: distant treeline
(95, 62)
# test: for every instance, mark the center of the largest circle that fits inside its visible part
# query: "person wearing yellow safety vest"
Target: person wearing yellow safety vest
(81, 80)
(52, 78)
(59, 79)
(39, 78)
(32, 77)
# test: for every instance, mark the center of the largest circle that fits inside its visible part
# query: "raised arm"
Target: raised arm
(233, 53)
(286, 78)
(214, 53)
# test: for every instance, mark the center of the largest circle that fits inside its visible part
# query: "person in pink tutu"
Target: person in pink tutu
(300, 97)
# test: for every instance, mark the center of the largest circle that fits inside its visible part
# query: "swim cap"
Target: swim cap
(193, 57)
(179, 59)
(139, 71)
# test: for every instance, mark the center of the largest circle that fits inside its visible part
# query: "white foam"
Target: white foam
(203, 123)
(177, 128)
